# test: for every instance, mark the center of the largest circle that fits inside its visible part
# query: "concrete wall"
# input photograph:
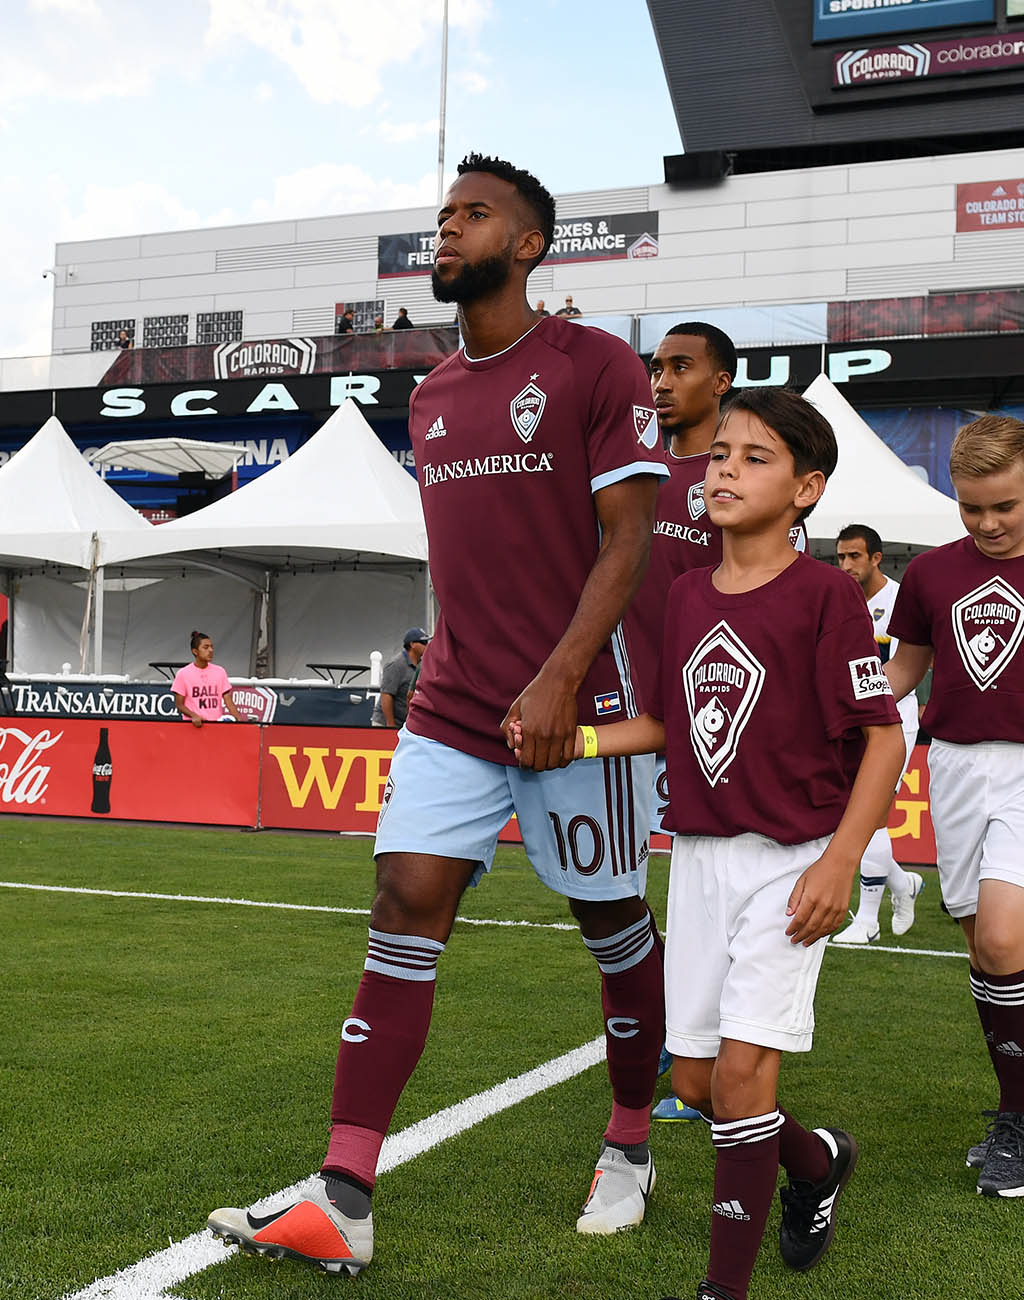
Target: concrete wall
(860, 231)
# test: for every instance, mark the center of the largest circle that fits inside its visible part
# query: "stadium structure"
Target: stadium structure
(850, 199)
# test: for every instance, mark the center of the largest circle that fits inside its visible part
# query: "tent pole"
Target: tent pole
(428, 621)
(97, 629)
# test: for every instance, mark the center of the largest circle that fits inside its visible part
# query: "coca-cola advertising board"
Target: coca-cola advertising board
(162, 772)
(292, 778)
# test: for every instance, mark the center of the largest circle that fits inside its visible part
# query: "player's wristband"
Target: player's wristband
(589, 735)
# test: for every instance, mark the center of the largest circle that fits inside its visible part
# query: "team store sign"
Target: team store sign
(231, 774)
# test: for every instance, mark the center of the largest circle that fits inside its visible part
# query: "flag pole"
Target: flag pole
(441, 116)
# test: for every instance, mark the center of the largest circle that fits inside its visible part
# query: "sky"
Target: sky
(121, 117)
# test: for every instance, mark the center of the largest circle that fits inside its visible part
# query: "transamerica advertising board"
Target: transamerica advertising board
(840, 20)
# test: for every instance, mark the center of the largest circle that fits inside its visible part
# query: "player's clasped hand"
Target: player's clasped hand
(819, 902)
(545, 715)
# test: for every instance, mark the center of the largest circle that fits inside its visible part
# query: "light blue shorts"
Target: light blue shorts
(585, 827)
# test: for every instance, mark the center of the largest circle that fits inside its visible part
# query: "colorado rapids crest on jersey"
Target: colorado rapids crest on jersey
(988, 624)
(722, 681)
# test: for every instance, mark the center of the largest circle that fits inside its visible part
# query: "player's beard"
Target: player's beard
(474, 280)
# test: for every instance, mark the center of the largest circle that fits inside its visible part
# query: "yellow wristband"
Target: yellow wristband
(589, 735)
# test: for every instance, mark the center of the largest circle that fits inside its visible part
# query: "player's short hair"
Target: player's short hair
(987, 445)
(801, 426)
(720, 346)
(866, 533)
(528, 187)
(195, 639)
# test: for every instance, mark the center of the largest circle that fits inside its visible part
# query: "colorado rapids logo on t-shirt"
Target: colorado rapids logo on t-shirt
(988, 624)
(695, 500)
(722, 681)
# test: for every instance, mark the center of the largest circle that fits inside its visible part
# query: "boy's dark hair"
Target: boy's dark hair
(872, 541)
(196, 637)
(720, 346)
(529, 188)
(801, 426)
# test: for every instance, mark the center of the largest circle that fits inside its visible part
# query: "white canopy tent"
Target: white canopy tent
(332, 542)
(171, 456)
(871, 485)
(57, 514)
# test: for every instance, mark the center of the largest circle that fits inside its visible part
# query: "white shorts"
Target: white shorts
(730, 970)
(584, 827)
(977, 807)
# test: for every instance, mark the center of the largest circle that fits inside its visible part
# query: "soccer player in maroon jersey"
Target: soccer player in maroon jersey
(538, 459)
(965, 602)
(783, 745)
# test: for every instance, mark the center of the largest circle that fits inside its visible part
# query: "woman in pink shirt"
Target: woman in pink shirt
(201, 689)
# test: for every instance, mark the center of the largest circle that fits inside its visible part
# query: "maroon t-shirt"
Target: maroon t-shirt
(509, 453)
(970, 609)
(763, 695)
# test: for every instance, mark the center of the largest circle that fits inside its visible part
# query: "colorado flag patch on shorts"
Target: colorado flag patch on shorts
(607, 703)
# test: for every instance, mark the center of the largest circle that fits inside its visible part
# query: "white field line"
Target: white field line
(365, 911)
(287, 907)
(150, 1277)
(878, 947)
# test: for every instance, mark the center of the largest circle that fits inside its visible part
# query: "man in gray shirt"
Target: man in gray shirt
(393, 704)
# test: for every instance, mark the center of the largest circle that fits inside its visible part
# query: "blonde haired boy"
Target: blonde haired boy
(965, 602)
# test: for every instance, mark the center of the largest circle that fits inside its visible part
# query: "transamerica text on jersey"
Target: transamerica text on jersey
(529, 462)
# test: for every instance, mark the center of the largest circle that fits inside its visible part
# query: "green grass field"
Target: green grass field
(160, 1057)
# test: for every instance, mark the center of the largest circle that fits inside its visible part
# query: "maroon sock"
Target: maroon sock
(984, 1010)
(802, 1154)
(633, 1000)
(1006, 1016)
(746, 1174)
(381, 1042)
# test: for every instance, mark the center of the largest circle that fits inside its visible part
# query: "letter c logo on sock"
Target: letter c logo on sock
(348, 1034)
(621, 1026)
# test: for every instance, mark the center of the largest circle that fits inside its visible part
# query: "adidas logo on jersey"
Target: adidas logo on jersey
(1010, 1049)
(731, 1210)
(436, 430)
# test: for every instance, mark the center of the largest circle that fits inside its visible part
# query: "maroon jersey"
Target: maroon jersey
(970, 609)
(763, 695)
(509, 452)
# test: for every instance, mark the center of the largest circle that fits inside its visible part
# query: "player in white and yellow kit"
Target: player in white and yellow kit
(859, 553)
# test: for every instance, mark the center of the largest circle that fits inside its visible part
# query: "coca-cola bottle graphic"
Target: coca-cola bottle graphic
(102, 770)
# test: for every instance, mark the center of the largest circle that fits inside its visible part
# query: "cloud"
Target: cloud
(76, 50)
(473, 83)
(403, 132)
(264, 91)
(338, 51)
(329, 188)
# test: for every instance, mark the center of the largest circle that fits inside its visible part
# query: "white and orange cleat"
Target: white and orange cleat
(312, 1230)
